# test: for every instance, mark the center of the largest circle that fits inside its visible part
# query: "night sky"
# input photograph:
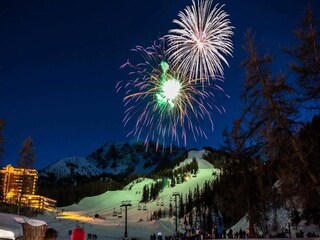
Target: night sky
(59, 64)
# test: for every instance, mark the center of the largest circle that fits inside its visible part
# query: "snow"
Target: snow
(282, 220)
(110, 227)
(130, 158)
(7, 234)
(76, 165)
(197, 154)
(241, 224)
(10, 225)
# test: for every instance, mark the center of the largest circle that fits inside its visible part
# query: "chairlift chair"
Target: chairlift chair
(120, 213)
(145, 207)
(139, 207)
(114, 214)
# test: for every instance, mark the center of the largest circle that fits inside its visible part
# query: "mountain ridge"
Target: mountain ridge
(115, 159)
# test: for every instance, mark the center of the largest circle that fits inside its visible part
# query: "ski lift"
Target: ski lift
(158, 204)
(162, 204)
(120, 213)
(139, 207)
(145, 207)
(114, 214)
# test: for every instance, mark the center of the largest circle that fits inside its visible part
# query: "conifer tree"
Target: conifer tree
(181, 207)
(145, 194)
(27, 154)
(306, 57)
(25, 161)
(190, 218)
(170, 210)
(173, 182)
(269, 114)
(1, 137)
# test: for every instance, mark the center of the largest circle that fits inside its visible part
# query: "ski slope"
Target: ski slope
(110, 227)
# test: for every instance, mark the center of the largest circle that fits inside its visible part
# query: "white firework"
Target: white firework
(198, 48)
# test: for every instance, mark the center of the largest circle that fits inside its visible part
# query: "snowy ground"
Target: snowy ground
(10, 225)
(110, 227)
(138, 227)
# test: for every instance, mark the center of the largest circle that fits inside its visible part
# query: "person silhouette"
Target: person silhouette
(51, 234)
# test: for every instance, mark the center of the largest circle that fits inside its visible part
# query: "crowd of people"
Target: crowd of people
(219, 232)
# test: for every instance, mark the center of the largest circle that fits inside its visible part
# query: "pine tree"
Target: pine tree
(185, 221)
(190, 216)
(145, 194)
(189, 202)
(197, 200)
(27, 154)
(194, 166)
(181, 207)
(306, 56)
(26, 161)
(1, 145)
(209, 221)
(267, 123)
(170, 210)
(275, 221)
(295, 218)
(159, 214)
(173, 182)
(237, 188)
(1, 137)
(270, 112)
(299, 181)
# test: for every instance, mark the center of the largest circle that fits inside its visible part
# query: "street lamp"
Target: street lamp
(175, 195)
(126, 204)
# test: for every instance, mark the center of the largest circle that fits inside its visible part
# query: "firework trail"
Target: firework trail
(165, 104)
(197, 48)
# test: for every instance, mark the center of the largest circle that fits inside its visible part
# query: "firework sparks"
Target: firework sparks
(164, 104)
(197, 49)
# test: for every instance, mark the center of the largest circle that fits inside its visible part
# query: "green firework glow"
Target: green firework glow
(169, 88)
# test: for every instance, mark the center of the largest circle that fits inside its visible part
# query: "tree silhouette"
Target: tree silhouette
(27, 154)
(1, 137)
(306, 56)
(25, 161)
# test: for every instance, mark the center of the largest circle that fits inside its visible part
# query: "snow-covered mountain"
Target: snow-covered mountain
(108, 207)
(116, 159)
(109, 226)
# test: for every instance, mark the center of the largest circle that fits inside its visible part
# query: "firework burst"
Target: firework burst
(164, 104)
(198, 48)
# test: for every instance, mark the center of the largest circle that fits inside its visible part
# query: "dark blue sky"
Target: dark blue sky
(59, 63)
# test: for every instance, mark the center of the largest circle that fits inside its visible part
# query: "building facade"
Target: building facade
(18, 185)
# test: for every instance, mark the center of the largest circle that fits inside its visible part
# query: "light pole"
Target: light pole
(175, 195)
(126, 204)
